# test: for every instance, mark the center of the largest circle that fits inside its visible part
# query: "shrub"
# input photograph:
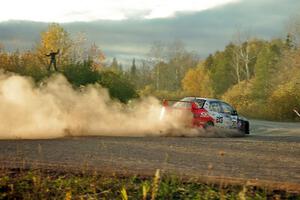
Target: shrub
(80, 74)
(240, 96)
(118, 86)
(282, 102)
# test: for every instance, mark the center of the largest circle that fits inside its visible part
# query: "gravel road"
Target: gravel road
(270, 154)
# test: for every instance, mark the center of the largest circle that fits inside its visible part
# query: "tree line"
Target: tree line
(79, 62)
(260, 78)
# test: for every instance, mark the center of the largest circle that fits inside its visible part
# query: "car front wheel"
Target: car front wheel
(245, 127)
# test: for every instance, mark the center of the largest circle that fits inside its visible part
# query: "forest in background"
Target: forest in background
(260, 78)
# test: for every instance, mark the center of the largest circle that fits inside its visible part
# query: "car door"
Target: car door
(215, 111)
(230, 120)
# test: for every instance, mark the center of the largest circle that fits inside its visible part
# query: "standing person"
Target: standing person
(52, 59)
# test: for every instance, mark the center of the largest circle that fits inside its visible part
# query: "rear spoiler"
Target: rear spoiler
(193, 104)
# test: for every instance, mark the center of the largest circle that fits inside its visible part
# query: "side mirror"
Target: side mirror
(234, 112)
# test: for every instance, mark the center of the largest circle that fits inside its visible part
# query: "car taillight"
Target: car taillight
(165, 103)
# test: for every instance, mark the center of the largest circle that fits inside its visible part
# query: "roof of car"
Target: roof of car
(206, 99)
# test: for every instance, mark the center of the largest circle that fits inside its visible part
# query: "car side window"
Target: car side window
(215, 107)
(227, 108)
(200, 103)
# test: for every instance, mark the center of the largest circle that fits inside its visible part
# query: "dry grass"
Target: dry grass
(55, 184)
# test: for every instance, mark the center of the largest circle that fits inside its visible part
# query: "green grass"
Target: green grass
(37, 184)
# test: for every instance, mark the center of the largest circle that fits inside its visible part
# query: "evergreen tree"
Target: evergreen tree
(114, 65)
(133, 74)
(133, 70)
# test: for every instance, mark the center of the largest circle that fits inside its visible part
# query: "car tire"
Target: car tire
(245, 127)
(209, 125)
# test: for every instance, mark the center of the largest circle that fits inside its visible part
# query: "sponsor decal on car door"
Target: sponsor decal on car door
(229, 119)
(215, 111)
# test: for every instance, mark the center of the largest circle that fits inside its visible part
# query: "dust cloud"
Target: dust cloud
(55, 109)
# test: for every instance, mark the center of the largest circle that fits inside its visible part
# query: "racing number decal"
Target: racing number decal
(219, 120)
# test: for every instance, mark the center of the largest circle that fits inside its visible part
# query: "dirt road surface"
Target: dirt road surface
(271, 154)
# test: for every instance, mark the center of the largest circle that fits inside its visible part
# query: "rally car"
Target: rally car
(208, 113)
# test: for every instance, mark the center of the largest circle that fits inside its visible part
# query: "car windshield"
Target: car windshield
(227, 108)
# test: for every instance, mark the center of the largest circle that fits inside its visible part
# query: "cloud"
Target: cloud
(204, 32)
(89, 10)
(169, 8)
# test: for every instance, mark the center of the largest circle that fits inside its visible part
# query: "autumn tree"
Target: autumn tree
(240, 96)
(53, 39)
(244, 51)
(145, 73)
(241, 54)
(196, 82)
(170, 62)
(157, 55)
(287, 86)
(96, 57)
(79, 48)
(180, 60)
(283, 100)
(266, 67)
(221, 73)
(162, 75)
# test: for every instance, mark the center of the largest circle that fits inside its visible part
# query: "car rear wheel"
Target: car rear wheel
(209, 125)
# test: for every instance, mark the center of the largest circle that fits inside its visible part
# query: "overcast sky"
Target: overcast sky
(127, 28)
(89, 10)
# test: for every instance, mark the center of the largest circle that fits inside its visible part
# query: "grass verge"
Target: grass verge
(54, 184)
